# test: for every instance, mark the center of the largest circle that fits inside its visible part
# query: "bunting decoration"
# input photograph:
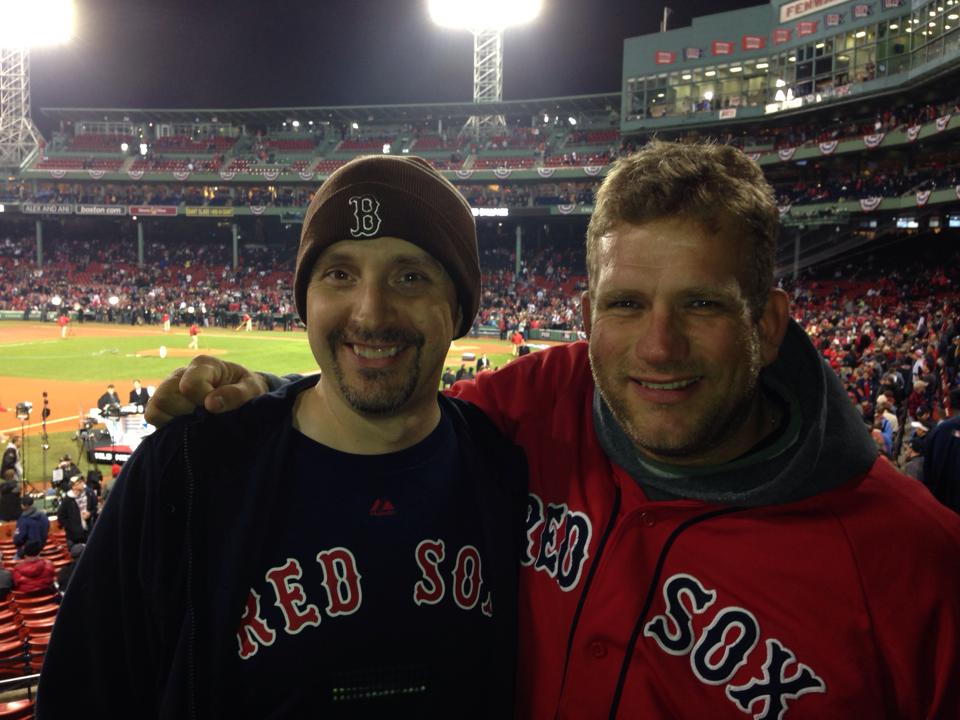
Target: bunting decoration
(786, 154)
(872, 141)
(545, 172)
(781, 35)
(827, 148)
(593, 170)
(922, 197)
(869, 204)
(913, 132)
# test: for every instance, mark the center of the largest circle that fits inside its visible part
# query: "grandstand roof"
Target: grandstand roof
(588, 105)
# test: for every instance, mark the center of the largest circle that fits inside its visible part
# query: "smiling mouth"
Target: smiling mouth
(374, 352)
(672, 385)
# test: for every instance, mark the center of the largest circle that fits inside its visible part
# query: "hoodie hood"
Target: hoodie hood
(820, 423)
(32, 567)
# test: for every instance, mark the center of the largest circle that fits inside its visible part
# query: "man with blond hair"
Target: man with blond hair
(710, 531)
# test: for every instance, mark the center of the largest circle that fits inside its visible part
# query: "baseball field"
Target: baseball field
(74, 371)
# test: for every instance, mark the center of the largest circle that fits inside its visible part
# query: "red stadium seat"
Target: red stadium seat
(33, 599)
(16, 709)
(38, 612)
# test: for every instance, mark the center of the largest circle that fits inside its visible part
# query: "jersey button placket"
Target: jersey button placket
(598, 650)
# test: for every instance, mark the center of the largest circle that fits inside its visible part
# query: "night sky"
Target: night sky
(254, 53)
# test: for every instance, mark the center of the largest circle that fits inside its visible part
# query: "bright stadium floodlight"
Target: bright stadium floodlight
(24, 25)
(35, 24)
(483, 14)
(486, 19)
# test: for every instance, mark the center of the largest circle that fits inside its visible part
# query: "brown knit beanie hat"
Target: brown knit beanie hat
(402, 197)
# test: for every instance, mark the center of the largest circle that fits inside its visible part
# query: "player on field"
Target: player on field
(710, 531)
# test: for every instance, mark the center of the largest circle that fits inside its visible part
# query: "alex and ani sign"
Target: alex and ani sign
(799, 8)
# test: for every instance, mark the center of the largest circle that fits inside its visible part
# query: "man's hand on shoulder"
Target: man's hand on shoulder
(217, 385)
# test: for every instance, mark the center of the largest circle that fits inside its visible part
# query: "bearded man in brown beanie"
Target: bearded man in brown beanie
(345, 547)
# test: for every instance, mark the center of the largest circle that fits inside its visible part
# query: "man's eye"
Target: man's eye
(412, 276)
(336, 274)
(623, 305)
(704, 304)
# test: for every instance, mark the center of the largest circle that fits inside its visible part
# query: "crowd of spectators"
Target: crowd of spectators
(890, 328)
(824, 184)
(888, 325)
(495, 195)
(173, 194)
(101, 281)
(193, 281)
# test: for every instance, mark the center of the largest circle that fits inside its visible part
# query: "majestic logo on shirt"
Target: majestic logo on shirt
(725, 645)
(382, 507)
(557, 541)
(366, 216)
(343, 591)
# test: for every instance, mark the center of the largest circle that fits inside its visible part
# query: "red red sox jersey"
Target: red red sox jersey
(844, 605)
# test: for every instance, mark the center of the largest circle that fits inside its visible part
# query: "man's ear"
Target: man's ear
(585, 311)
(773, 324)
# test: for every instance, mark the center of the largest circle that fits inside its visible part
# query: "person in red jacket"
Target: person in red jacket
(33, 573)
(710, 531)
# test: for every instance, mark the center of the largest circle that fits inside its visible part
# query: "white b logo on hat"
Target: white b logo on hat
(366, 219)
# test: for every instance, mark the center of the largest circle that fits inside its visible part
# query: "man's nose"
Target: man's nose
(374, 306)
(663, 339)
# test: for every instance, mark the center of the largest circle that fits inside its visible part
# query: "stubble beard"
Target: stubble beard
(380, 391)
(717, 423)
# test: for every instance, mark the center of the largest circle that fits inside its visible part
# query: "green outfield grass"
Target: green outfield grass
(88, 357)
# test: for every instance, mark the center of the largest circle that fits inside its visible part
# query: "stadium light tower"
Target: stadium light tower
(486, 19)
(25, 24)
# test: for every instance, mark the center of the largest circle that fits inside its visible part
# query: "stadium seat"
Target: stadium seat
(39, 612)
(16, 709)
(32, 599)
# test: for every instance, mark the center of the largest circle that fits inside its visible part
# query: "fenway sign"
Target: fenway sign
(801, 8)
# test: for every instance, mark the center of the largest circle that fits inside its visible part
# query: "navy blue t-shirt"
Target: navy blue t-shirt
(369, 593)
